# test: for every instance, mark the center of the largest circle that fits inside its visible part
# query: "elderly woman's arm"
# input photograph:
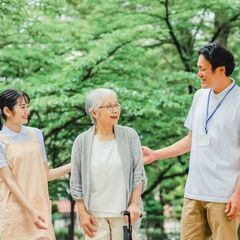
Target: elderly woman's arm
(133, 208)
(139, 177)
(76, 178)
(86, 220)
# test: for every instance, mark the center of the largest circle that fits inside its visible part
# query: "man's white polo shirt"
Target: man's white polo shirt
(215, 157)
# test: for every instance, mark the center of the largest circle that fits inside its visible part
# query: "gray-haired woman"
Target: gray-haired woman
(107, 174)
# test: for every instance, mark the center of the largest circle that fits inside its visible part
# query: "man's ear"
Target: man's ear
(222, 69)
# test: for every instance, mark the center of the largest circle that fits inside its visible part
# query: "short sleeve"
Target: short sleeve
(238, 120)
(189, 120)
(41, 140)
(3, 160)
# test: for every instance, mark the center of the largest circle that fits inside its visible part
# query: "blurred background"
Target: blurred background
(145, 50)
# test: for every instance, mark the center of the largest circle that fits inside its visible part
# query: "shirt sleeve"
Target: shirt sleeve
(189, 120)
(76, 178)
(41, 140)
(138, 165)
(238, 120)
(3, 160)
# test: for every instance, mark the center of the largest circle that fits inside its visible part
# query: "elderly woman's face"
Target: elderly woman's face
(108, 112)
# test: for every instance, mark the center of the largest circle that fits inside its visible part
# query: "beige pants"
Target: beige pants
(110, 229)
(202, 220)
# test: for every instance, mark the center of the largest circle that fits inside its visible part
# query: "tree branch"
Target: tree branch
(173, 36)
(223, 26)
(159, 179)
(90, 71)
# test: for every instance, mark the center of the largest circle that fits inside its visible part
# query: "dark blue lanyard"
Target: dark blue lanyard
(217, 107)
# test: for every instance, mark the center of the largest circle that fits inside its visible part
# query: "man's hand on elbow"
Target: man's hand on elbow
(148, 155)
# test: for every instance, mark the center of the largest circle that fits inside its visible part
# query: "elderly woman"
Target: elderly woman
(107, 174)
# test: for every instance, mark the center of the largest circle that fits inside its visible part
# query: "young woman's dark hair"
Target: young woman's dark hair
(218, 56)
(9, 98)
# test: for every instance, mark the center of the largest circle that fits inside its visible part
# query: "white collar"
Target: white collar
(11, 133)
(224, 91)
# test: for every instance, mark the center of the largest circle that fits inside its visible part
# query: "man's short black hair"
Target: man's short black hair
(218, 56)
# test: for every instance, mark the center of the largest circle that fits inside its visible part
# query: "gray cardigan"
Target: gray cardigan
(130, 151)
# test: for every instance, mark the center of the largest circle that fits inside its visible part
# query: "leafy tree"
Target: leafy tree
(58, 51)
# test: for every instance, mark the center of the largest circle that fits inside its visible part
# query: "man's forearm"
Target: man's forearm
(177, 149)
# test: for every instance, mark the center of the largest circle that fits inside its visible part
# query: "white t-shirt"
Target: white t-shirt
(23, 135)
(215, 157)
(107, 186)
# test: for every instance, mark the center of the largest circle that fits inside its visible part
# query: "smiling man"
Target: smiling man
(212, 192)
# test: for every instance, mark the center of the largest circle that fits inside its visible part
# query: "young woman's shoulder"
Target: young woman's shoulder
(35, 130)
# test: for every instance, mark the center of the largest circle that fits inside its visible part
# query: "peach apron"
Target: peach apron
(25, 161)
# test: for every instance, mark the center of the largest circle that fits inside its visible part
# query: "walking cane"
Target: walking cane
(127, 230)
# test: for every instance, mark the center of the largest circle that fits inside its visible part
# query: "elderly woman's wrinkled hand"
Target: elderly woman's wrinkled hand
(135, 212)
(88, 223)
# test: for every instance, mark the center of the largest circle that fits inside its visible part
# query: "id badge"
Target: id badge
(204, 140)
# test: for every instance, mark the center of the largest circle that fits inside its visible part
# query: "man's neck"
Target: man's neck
(224, 84)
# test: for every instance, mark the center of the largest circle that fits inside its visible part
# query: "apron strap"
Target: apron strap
(32, 134)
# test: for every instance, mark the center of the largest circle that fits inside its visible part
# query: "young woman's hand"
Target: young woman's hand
(135, 212)
(88, 223)
(38, 220)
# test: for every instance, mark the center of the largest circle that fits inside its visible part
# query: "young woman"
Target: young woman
(25, 210)
(107, 175)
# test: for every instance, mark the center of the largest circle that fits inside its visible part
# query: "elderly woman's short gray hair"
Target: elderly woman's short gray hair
(95, 98)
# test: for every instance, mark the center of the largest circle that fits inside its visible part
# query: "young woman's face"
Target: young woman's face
(108, 112)
(20, 112)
